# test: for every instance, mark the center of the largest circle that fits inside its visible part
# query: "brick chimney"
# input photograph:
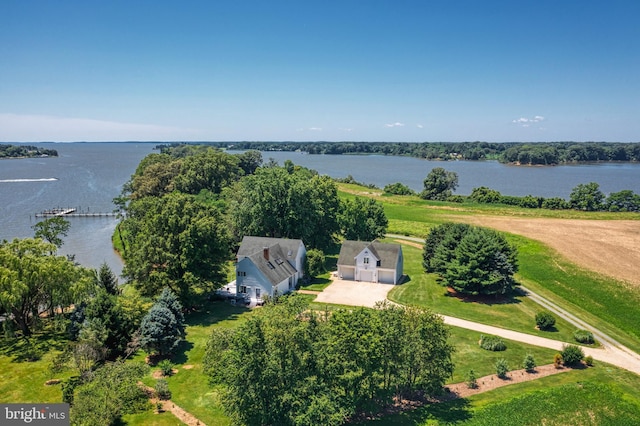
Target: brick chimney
(265, 252)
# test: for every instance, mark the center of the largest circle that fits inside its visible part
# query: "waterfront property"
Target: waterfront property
(370, 261)
(268, 266)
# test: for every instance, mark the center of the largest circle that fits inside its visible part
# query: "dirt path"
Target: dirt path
(609, 247)
(168, 405)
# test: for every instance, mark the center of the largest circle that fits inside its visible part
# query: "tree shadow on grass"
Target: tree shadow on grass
(488, 300)
(33, 348)
(450, 412)
(180, 357)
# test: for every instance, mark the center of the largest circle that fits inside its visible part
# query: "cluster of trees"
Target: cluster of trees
(440, 184)
(471, 260)
(539, 153)
(288, 366)
(18, 151)
(187, 207)
(586, 197)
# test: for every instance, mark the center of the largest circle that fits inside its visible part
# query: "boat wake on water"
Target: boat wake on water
(28, 180)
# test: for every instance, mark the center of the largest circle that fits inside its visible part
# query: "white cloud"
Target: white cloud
(396, 124)
(315, 129)
(526, 122)
(419, 126)
(346, 130)
(35, 128)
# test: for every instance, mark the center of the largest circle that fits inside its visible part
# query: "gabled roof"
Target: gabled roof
(281, 253)
(277, 268)
(251, 245)
(386, 253)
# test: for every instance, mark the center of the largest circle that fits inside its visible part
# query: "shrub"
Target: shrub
(502, 368)
(166, 367)
(589, 360)
(545, 321)
(162, 390)
(572, 354)
(557, 360)
(471, 381)
(492, 343)
(583, 336)
(529, 363)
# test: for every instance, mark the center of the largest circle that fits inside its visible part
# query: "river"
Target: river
(87, 176)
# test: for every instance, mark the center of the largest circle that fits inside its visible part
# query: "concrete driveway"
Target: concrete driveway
(354, 293)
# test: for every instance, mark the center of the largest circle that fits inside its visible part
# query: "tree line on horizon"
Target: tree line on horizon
(537, 153)
(19, 151)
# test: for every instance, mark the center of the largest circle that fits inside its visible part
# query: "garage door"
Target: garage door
(385, 277)
(347, 273)
(366, 276)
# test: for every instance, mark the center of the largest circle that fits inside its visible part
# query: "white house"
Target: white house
(371, 262)
(268, 266)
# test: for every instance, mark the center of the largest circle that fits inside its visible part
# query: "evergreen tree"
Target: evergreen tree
(169, 300)
(107, 279)
(159, 331)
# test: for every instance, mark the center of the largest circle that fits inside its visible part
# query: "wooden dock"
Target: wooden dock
(70, 212)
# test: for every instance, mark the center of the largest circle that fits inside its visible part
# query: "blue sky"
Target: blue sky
(361, 70)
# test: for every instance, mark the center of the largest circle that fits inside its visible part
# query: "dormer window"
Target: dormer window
(366, 260)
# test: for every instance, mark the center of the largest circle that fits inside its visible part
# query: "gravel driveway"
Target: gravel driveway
(354, 293)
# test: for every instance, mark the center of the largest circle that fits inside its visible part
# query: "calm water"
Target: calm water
(88, 176)
(555, 181)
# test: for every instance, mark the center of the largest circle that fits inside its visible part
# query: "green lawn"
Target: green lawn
(517, 313)
(602, 395)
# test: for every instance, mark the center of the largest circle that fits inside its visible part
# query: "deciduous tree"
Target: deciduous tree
(439, 184)
(362, 219)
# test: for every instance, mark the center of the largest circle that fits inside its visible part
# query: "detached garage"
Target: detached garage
(370, 262)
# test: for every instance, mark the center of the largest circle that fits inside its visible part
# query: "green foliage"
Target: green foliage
(583, 336)
(300, 368)
(177, 242)
(470, 259)
(169, 300)
(623, 201)
(276, 203)
(502, 368)
(529, 363)
(33, 280)
(572, 354)
(586, 197)
(439, 184)
(545, 320)
(119, 328)
(588, 360)
(159, 331)
(398, 189)
(362, 219)
(250, 161)
(314, 264)
(112, 392)
(162, 390)
(106, 279)
(485, 195)
(471, 380)
(492, 343)
(166, 367)
(52, 229)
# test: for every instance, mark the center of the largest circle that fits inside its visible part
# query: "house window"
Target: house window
(243, 289)
(257, 293)
(242, 274)
(377, 263)
(366, 260)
